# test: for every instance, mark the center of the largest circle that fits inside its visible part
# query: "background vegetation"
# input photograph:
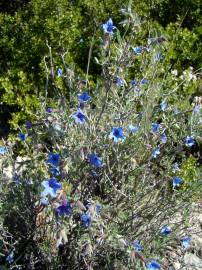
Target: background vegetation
(108, 150)
(29, 29)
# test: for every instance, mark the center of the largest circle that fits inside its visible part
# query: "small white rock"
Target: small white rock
(177, 266)
(193, 261)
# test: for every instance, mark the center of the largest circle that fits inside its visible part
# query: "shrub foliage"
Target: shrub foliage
(105, 169)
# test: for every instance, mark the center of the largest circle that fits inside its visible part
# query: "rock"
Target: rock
(200, 219)
(192, 262)
(197, 242)
(177, 266)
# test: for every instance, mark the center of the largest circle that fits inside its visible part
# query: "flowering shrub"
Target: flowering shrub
(99, 182)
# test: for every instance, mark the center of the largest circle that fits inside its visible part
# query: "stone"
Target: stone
(192, 262)
(197, 242)
(177, 266)
(200, 219)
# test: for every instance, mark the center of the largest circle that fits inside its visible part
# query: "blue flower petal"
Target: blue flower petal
(95, 161)
(3, 150)
(22, 136)
(49, 110)
(117, 134)
(86, 220)
(155, 128)
(54, 184)
(165, 230)
(196, 109)
(190, 141)
(108, 27)
(53, 159)
(186, 241)
(137, 50)
(144, 81)
(10, 257)
(79, 117)
(137, 246)
(98, 208)
(84, 97)
(64, 209)
(153, 265)
(133, 83)
(133, 129)
(59, 72)
(163, 138)
(28, 125)
(156, 152)
(51, 187)
(119, 81)
(177, 181)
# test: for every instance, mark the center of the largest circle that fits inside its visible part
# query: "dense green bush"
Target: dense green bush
(10, 6)
(72, 29)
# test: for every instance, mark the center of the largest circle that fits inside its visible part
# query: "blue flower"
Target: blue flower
(144, 81)
(153, 265)
(98, 208)
(79, 116)
(177, 181)
(137, 88)
(137, 246)
(84, 97)
(156, 152)
(51, 187)
(95, 161)
(108, 27)
(133, 83)
(59, 72)
(165, 230)
(117, 134)
(64, 209)
(190, 141)
(3, 150)
(49, 110)
(53, 159)
(196, 109)
(137, 50)
(86, 220)
(54, 184)
(155, 127)
(186, 241)
(119, 81)
(16, 179)
(10, 257)
(55, 171)
(28, 125)
(163, 138)
(133, 129)
(163, 105)
(22, 136)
